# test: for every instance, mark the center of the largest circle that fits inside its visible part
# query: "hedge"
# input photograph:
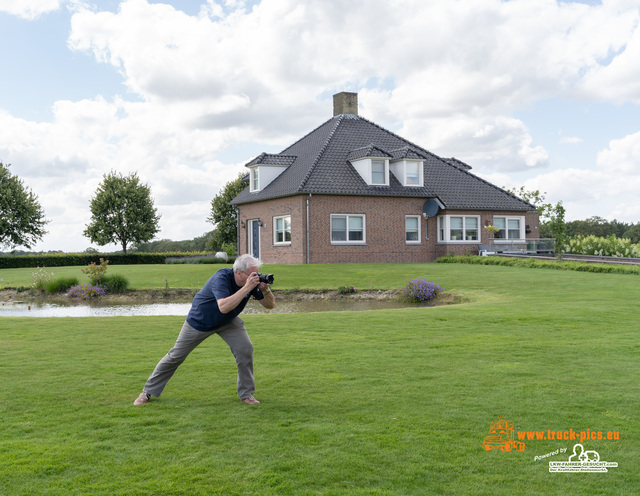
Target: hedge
(74, 259)
(534, 263)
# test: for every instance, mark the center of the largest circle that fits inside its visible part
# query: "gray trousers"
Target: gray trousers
(233, 333)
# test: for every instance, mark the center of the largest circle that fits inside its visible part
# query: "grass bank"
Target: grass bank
(393, 402)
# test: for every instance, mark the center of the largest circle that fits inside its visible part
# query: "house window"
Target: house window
(348, 229)
(282, 230)
(255, 179)
(378, 172)
(412, 174)
(412, 229)
(510, 227)
(458, 228)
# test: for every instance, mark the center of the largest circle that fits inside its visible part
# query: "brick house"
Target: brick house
(351, 191)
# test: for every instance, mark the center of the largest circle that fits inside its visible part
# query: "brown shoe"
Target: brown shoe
(142, 399)
(250, 400)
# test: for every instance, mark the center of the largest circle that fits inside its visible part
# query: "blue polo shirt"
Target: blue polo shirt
(204, 314)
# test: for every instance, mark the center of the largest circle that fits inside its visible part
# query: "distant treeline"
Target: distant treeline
(198, 244)
(597, 226)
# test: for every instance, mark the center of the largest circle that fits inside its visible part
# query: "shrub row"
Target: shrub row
(207, 259)
(610, 246)
(535, 263)
(73, 259)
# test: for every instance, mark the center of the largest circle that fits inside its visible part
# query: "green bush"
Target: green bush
(115, 283)
(96, 272)
(40, 278)
(611, 246)
(534, 263)
(347, 289)
(207, 259)
(73, 259)
(59, 284)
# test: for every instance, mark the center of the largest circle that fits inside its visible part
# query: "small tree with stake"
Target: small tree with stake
(122, 212)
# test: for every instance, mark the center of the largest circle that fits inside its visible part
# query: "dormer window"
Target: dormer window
(372, 163)
(255, 179)
(409, 172)
(379, 173)
(412, 173)
(265, 168)
(374, 171)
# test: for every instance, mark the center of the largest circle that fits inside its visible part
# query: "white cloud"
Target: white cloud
(622, 160)
(29, 9)
(610, 190)
(570, 140)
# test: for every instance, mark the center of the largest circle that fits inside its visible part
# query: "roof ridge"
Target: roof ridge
(322, 149)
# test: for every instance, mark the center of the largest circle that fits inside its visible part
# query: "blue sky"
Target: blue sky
(536, 93)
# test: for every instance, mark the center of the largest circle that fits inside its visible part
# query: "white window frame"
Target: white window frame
(349, 241)
(522, 233)
(385, 172)
(418, 174)
(406, 231)
(444, 229)
(254, 177)
(276, 231)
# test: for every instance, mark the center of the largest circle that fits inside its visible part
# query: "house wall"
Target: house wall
(385, 230)
(295, 206)
(531, 219)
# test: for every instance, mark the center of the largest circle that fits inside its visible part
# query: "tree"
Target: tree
(122, 212)
(633, 233)
(552, 223)
(224, 216)
(198, 243)
(558, 227)
(21, 216)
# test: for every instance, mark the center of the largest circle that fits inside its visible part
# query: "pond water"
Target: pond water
(98, 309)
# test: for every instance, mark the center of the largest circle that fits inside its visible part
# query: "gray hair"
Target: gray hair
(243, 262)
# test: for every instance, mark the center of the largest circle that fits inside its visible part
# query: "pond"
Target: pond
(100, 309)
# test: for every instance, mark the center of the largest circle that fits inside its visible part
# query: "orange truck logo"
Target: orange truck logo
(501, 436)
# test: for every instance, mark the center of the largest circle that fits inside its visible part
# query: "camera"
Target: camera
(266, 278)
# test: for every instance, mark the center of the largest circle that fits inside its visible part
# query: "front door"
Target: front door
(254, 238)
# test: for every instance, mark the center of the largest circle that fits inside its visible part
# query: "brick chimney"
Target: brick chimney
(345, 103)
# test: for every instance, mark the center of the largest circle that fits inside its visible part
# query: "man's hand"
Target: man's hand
(226, 305)
(252, 281)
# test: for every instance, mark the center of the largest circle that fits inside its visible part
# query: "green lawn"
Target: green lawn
(390, 402)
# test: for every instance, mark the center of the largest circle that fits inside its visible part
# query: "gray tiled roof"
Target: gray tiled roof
(367, 151)
(319, 163)
(273, 159)
(457, 163)
(407, 152)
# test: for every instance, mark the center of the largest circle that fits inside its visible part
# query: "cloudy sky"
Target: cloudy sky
(537, 93)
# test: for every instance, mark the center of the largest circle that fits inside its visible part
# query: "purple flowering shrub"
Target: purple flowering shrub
(419, 290)
(86, 291)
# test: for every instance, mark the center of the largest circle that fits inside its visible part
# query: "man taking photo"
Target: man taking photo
(215, 310)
